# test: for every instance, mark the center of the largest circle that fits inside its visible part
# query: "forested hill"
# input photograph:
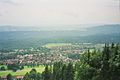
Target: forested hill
(25, 39)
(111, 28)
(104, 29)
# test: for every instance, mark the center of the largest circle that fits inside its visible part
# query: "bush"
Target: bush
(2, 68)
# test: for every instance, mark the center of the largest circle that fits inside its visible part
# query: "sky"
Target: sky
(59, 12)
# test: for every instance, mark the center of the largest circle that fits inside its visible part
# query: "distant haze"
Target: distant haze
(58, 12)
(26, 37)
(81, 27)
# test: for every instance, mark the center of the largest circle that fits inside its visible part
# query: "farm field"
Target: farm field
(26, 69)
(49, 45)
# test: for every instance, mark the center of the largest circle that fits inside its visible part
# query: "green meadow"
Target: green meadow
(50, 45)
(26, 69)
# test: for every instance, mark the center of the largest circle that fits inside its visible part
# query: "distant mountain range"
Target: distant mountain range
(104, 29)
(25, 37)
(41, 28)
(91, 28)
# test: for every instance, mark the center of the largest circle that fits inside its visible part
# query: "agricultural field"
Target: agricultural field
(50, 45)
(26, 69)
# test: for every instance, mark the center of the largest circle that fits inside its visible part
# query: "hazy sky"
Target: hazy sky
(65, 12)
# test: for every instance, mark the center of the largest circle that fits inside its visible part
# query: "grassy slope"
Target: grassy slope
(21, 72)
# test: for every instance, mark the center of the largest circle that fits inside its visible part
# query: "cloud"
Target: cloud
(7, 1)
(0, 14)
(11, 2)
(114, 4)
(37, 12)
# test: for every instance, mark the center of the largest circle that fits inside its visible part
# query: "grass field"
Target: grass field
(49, 45)
(21, 72)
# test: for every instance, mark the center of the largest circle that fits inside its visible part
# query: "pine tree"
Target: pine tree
(57, 69)
(69, 72)
(26, 77)
(88, 61)
(105, 63)
(33, 74)
(0, 78)
(9, 77)
(63, 72)
(47, 73)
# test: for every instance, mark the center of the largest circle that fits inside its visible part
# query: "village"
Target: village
(44, 55)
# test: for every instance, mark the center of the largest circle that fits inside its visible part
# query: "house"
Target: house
(14, 78)
(18, 77)
(4, 78)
